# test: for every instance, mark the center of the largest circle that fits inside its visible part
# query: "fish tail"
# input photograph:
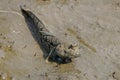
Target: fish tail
(33, 20)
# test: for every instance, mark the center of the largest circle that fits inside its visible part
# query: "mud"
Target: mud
(92, 24)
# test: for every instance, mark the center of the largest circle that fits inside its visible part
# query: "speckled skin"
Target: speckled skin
(55, 49)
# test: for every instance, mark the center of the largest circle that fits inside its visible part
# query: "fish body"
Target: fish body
(55, 49)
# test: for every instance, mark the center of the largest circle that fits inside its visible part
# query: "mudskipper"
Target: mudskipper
(55, 49)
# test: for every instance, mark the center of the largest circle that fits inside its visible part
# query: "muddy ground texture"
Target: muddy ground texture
(93, 24)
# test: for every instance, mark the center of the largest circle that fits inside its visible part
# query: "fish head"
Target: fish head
(70, 51)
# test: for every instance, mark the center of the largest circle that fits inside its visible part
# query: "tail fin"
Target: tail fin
(33, 20)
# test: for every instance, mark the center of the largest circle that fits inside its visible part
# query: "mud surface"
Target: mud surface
(92, 24)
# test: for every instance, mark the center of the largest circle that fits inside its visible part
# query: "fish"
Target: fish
(55, 49)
